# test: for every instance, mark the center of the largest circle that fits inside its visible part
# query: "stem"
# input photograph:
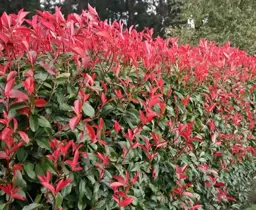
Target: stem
(9, 204)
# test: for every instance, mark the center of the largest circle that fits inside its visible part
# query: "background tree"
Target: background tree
(13, 6)
(226, 20)
(157, 14)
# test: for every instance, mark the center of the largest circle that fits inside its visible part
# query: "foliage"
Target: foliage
(228, 20)
(97, 117)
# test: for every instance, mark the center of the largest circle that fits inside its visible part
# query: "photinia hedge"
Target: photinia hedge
(98, 116)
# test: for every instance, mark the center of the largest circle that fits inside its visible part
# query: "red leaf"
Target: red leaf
(219, 184)
(21, 15)
(62, 183)
(84, 97)
(49, 187)
(92, 10)
(126, 201)
(117, 127)
(29, 85)
(119, 93)
(18, 196)
(24, 136)
(6, 20)
(19, 95)
(11, 75)
(115, 197)
(3, 155)
(74, 163)
(188, 194)
(119, 178)
(161, 144)
(8, 88)
(101, 124)
(4, 37)
(104, 34)
(156, 137)
(143, 118)
(40, 102)
(16, 146)
(17, 167)
(32, 55)
(24, 111)
(185, 101)
(116, 184)
(11, 190)
(48, 25)
(135, 177)
(153, 102)
(46, 178)
(129, 135)
(102, 142)
(6, 133)
(230, 198)
(103, 99)
(73, 122)
(79, 51)
(90, 132)
(217, 154)
(104, 158)
(77, 107)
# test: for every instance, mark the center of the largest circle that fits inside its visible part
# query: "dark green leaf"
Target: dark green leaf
(29, 168)
(20, 182)
(22, 154)
(43, 143)
(43, 122)
(33, 123)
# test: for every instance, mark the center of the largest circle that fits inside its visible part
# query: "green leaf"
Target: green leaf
(67, 190)
(81, 203)
(12, 113)
(18, 106)
(88, 193)
(38, 198)
(42, 76)
(43, 143)
(63, 75)
(253, 207)
(96, 195)
(106, 110)
(29, 168)
(82, 187)
(20, 182)
(3, 206)
(47, 165)
(43, 122)
(88, 110)
(32, 206)
(33, 123)
(22, 154)
(58, 201)
(39, 170)
(100, 204)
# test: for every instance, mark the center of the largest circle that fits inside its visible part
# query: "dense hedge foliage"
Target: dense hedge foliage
(97, 117)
